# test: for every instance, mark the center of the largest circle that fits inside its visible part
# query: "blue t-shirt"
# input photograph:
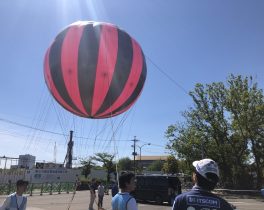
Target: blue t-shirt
(120, 201)
(198, 199)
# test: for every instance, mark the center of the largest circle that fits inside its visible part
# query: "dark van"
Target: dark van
(158, 188)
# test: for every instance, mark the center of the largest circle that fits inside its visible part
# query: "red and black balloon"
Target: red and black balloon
(95, 70)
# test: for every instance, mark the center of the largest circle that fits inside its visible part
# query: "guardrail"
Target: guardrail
(239, 192)
(40, 188)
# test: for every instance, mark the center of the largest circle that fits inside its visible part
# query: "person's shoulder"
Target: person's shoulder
(131, 203)
(186, 193)
(131, 198)
(180, 201)
(12, 194)
(182, 195)
(224, 203)
(190, 193)
(116, 196)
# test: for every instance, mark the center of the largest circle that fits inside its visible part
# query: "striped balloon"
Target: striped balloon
(95, 70)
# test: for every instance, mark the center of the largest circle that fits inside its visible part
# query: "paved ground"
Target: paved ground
(81, 202)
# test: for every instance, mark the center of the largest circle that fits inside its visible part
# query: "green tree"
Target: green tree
(247, 107)
(155, 166)
(125, 164)
(225, 124)
(107, 161)
(87, 165)
(171, 165)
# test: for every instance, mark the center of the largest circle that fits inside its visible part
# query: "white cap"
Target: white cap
(206, 166)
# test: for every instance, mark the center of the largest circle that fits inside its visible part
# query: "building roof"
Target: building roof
(164, 158)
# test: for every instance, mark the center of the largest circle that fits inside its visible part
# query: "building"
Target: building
(145, 161)
(50, 165)
(26, 161)
(52, 175)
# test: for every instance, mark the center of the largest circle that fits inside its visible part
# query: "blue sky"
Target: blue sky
(191, 41)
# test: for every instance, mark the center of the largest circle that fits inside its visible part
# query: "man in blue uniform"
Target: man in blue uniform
(16, 201)
(123, 200)
(205, 177)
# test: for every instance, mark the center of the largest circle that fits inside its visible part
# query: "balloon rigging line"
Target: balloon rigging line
(168, 76)
(94, 144)
(116, 154)
(64, 121)
(86, 143)
(39, 104)
(32, 133)
(117, 128)
(60, 123)
(73, 195)
(44, 116)
(100, 132)
(38, 120)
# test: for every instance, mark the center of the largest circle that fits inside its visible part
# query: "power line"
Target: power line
(61, 134)
(27, 126)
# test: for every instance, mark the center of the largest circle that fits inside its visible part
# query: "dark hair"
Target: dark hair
(125, 178)
(21, 182)
(205, 183)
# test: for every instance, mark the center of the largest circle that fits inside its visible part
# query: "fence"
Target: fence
(40, 188)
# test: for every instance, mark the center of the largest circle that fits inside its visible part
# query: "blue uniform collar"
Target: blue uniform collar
(196, 187)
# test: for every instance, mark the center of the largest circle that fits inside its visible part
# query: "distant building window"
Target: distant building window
(37, 176)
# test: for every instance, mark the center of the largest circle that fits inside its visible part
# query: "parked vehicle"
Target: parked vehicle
(157, 188)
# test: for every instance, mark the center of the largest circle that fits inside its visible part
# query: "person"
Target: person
(205, 177)
(171, 194)
(16, 200)
(123, 200)
(92, 194)
(114, 189)
(100, 194)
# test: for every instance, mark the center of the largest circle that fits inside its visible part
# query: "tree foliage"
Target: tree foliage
(171, 165)
(155, 166)
(107, 161)
(87, 165)
(225, 123)
(125, 164)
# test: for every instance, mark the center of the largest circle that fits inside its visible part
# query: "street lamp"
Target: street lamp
(140, 147)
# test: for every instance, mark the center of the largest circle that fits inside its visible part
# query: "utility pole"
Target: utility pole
(55, 153)
(134, 153)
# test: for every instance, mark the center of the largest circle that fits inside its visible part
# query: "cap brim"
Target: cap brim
(195, 163)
